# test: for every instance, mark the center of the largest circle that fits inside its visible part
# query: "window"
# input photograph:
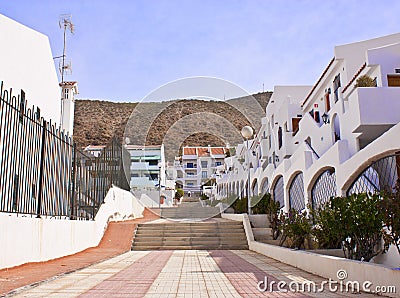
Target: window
(153, 162)
(190, 174)
(189, 184)
(280, 137)
(336, 86)
(204, 174)
(327, 101)
(218, 163)
(295, 125)
(189, 165)
(66, 92)
(204, 164)
(316, 117)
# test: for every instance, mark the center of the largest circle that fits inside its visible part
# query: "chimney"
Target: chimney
(68, 91)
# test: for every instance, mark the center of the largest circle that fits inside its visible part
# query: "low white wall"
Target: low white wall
(328, 266)
(246, 223)
(323, 265)
(30, 239)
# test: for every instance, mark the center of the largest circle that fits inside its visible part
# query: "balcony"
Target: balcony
(143, 166)
(190, 166)
(372, 111)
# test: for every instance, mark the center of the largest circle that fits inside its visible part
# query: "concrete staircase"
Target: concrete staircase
(190, 226)
(190, 208)
(261, 229)
(190, 235)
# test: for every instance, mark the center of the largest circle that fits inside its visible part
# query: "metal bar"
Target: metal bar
(41, 168)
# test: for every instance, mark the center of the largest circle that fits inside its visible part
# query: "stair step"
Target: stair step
(190, 235)
(238, 247)
(262, 231)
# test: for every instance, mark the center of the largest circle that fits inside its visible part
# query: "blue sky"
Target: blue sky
(124, 49)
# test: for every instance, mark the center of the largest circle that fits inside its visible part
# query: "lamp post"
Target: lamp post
(159, 185)
(247, 133)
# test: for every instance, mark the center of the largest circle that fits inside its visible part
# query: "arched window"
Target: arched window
(264, 186)
(296, 193)
(279, 193)
(382, 175)
(254, 188)
(324, 188)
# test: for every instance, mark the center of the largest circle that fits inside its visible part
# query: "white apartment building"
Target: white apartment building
(330, 139)
(197, 165)
(147, 166)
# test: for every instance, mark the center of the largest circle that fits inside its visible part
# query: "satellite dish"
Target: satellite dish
(127, 140)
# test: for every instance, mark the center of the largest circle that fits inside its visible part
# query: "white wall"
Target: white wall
(26, 239)
(26, 62)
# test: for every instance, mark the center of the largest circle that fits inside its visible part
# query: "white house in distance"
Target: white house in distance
(27, 63)
(147, 166)
(330, 139)
(197, 165)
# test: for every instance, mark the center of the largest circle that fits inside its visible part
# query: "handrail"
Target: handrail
(312, 149)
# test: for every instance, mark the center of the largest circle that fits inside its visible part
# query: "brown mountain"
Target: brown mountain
(179, 122)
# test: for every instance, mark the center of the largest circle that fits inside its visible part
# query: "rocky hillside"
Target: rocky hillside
(184, 122)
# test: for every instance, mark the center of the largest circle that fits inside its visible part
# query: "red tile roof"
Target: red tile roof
(203, 151)
(189, 150)
(319, 80)
(219, 151)
(67, 84)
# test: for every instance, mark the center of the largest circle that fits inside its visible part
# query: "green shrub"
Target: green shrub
(390, 209)
(326, 222)
(268, 206)
(355, 221)
(203, 197)
(295, 228)
(365, 81)
(179, 193)
(259, 205)
(240, 205)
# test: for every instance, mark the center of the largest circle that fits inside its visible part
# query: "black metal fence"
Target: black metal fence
(41, 170)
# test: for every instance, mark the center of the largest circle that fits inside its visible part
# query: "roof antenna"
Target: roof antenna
(66, 24)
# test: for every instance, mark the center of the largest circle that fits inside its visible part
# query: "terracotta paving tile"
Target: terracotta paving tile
(133, 281)
(116, 240)
(244, 276)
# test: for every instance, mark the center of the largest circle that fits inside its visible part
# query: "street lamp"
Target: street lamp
(159, 184)
(247, 133)
(325, 118)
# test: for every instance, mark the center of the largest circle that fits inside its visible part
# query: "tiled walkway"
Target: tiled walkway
(117, 240)
(179, 274)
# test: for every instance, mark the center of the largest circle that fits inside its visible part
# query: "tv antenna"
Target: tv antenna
(66, 24)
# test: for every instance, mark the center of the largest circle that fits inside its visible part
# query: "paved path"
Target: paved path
(184, 273)
(116, 240)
